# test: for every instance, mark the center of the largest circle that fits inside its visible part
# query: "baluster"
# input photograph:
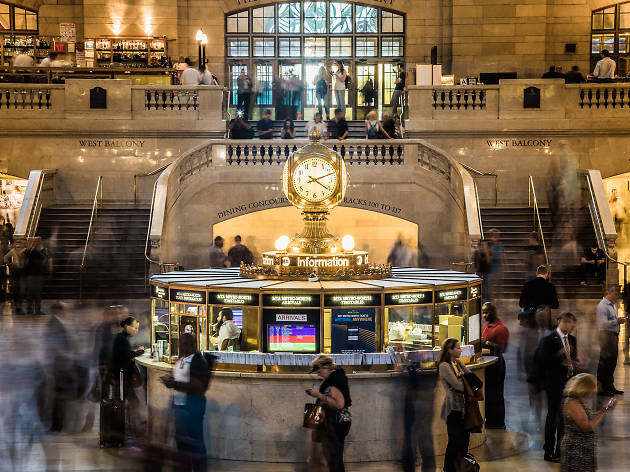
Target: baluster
(287, 152)
(179, 99)
(375, 154)
(254, 149)
(621, 95)
(31, 94)
(598, 96)
(473, 94)
(156, 98)
(581, 98)
(195, 96)
(8, 95)
(343, 151)
(400, 151)
(187, 99)
(147, 94)
(1, 95)
(590, 98)
(230, 153)
(390, 151)
(15, 98)
(450, 99)
(23, 99)
(360, 152)
(458, 96)
(238, 154)
(443, 98)
(614, 97)
(435, 99)
(246, 153)
(466, 96)
(270, 152)
(47, 98)
(482, 99)
(163, 99)
(605, 98)
(172, 98)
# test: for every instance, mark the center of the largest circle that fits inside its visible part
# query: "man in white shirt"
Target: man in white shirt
(23, 60)
(319, 124)
(229, 332)
(47, 61)
(190, 76)
(605, 68)
(609, 323)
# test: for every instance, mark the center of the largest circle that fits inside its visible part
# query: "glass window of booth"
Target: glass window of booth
(352, 323)
(409, 320)
(451, 315)
(241, 333)
(187, 318)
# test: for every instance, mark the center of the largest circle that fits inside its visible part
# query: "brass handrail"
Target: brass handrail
(466, 264)
(599, 230)
(93, 217)
(145, 174)
(485, 174)
(532, 197)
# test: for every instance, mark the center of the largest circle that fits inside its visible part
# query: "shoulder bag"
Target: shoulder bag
(467, 463)
(314, 416)
(472, 415)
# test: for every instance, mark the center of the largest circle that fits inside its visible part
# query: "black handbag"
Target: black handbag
(474, 382)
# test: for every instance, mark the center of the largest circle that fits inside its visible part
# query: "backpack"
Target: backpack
(347, 81)
(373, 130)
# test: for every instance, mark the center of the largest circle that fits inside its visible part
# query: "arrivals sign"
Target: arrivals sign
(188, 296)
(233, 298)
(359, 299)
(408, 298)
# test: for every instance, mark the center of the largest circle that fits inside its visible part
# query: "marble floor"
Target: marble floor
(24, 342)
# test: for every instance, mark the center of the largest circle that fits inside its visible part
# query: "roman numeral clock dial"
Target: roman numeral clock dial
(314, 179)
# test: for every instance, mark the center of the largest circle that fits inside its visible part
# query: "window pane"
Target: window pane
(340, 17)
(264, 47)
(238, 47)
(264, 78)
(367, 47)
(390, 73)
(289, 47)
(392, 47)
(367, 94)
(596, 44)
(366, 20)
(609, 43)
(263, 20)
(314, 17)
(624, 20)
(598, 21)
(4, 17)
(340, 47)
(238, 23)
(392, 23)
(314, 47)
(623, 43)
(609, 20)
(289, 18)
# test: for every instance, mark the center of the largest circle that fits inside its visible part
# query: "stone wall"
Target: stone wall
(472, 36)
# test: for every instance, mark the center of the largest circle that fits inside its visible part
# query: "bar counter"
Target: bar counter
(257, 416)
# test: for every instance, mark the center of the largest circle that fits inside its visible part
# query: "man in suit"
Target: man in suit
(609, 323)
(557, 361)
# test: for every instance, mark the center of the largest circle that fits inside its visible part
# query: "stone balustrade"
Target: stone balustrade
(31, 100)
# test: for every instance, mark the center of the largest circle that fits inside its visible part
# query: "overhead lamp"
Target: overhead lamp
(282, 242)
(347, 243)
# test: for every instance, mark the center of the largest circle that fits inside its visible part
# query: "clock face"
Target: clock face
(314, 179)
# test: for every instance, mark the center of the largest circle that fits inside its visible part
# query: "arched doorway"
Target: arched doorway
(373, 231)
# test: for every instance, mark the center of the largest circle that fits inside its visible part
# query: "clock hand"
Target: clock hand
(318, 182)
(313, 179)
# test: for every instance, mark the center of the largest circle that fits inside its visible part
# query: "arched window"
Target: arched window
(18, 28)
(297, 37)
(610, 30)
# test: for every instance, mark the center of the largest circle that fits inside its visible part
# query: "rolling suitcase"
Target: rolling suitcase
(112, 429)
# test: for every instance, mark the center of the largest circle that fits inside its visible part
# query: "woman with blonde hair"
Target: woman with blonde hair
(577, 447)
(451, 371)
(374, 127)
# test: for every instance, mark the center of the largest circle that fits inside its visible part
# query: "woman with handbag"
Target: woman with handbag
(334, 396)
(452, 371)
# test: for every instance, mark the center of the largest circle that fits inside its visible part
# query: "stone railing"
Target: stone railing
(171, 99)
(460, 98)
(606, 96)
(354, 152)
(21, 98)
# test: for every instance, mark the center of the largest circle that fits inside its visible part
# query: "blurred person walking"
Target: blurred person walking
(321, 92)
(217, 256)
(334, 395)
(401, 254)
(244, 92)
(578, 449)
(557, 361)
(609, 322)
(239, 253)
(17, 260)
(482, 259)
(495, 336)
(451, 371)
(497, 263)
(38, 266)
(122, 359)
(189, 379)
(537, 294)
(535, 255)
(626, 338)
(341, 84)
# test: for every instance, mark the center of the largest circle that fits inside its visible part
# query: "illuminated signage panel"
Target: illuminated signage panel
(347, 299)
(408, 298)
(450, 295)
(188, 296)
(159, 292)
(233, 298)
(292, 300)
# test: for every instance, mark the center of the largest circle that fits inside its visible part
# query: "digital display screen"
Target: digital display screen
(288, 337)
(238, 317)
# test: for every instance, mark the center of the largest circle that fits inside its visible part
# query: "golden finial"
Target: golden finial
(314, 135)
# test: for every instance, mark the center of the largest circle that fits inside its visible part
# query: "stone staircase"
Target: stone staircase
(114, 264)
(515, 224)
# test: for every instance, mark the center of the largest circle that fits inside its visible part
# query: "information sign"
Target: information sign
(409, 298)
(188, 296)
(233, 298)
(357, 299)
